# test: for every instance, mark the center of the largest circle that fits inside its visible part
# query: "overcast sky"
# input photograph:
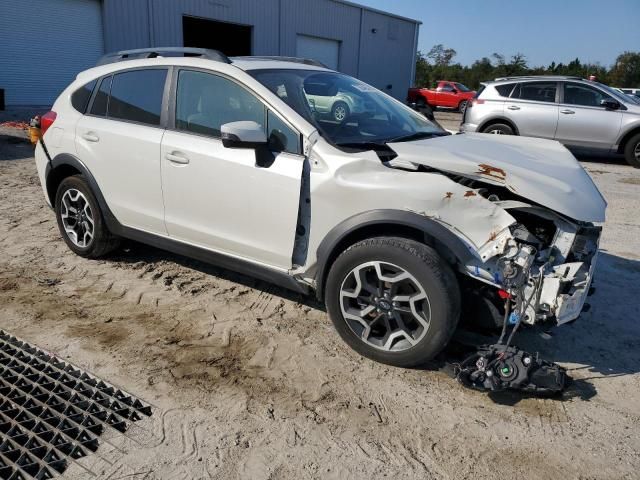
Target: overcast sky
(544, 30)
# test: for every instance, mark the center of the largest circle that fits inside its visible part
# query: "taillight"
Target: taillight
(46, 121)
(476, 101)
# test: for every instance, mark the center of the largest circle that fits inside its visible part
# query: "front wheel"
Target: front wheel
(393, 300)
(463, 106)
(632, 151)
(499, 129)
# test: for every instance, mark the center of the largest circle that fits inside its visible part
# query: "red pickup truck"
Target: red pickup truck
(446, 94)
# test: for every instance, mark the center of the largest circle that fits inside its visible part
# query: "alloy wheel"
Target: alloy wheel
(339, 113)
(385, 306)
(496, 131)
(636, 152)
(77, 218)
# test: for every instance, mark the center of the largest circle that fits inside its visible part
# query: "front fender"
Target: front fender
(334, 242)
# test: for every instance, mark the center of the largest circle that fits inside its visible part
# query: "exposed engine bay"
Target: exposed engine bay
(546, 266)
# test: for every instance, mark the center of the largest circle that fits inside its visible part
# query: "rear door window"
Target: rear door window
(101, 100)
(536, 91)
(80, 98)
(136, 96)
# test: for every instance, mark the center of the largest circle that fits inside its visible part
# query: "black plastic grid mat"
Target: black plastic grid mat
(51, 411)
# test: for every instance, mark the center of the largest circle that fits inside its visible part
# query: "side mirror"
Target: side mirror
(246, 134)
(454, 91)
(610, 104)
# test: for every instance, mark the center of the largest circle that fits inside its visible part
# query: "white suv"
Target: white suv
(395, 224)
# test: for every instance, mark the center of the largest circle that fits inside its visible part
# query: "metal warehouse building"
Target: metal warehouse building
(45, 43)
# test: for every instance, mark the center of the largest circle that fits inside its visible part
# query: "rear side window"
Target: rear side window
(536, 91)
(136, 96)
(505, 90)
(101, 100)
(80, 98)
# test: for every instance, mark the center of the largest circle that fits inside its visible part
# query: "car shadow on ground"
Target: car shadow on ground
(133, 252)
(605, 341)
(595, 157)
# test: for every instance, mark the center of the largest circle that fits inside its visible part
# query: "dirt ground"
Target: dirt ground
(250, 381)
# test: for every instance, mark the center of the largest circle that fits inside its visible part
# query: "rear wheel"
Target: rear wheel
(393, 300)
(632, 151)
(80, 220)
(499, 129)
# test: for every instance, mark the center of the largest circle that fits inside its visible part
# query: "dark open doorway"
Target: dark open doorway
(229, 38)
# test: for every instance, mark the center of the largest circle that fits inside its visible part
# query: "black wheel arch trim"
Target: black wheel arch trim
(244, 267)
(626, 136)
(326, 251)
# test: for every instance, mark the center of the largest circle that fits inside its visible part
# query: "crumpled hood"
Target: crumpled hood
(542, 171)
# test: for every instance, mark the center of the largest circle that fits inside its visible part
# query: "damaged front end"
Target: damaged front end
(546, 263)
(543, 257)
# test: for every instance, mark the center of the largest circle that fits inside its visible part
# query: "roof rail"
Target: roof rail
(305, 61)
(163, 52)
(526, 77)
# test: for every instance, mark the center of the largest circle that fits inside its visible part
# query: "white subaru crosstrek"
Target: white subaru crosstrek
(395, 224)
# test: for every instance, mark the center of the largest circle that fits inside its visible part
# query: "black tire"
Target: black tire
(433, 274)
(499, 129)
(463, 106)
(632, 151)
(340, 111)
(102, 241)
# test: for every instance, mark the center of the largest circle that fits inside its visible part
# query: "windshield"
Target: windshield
(347, 112)
(462, 88)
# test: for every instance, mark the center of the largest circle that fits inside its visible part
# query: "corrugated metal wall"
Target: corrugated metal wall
(43, 46)
(382, 59)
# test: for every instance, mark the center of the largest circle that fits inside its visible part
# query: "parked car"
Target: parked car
(392, 222)
(579, 113)
(329, 100)
(630, 91)
(446, 94)
(633, 93)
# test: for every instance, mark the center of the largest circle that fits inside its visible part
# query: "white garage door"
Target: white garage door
(43, 46)
(321, 49)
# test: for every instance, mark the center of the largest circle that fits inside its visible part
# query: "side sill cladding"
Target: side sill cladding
(277, 277)
(334, 242)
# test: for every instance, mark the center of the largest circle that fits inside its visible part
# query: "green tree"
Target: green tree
(626, 71)
(438, 64)
(441, 56)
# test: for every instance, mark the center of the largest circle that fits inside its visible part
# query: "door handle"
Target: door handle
(177, 158)
(90, 137)
(513, 107)
(567, 112)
